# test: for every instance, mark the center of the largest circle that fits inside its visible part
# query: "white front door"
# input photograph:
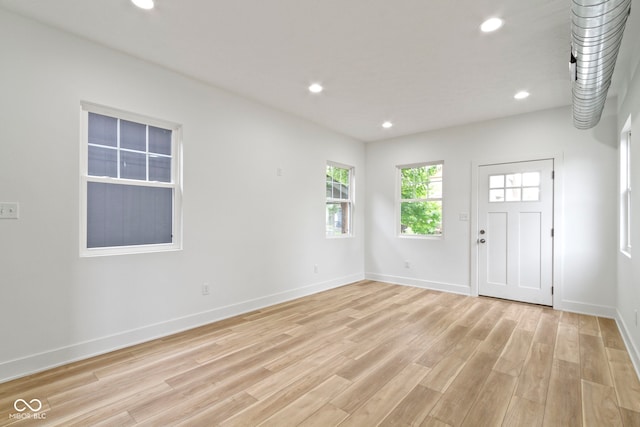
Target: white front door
(515, 231)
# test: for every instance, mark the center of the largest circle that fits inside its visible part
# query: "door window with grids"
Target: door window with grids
(514, 187)
(131, 189)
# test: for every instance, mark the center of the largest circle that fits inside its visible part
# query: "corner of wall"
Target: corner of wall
(631, 348)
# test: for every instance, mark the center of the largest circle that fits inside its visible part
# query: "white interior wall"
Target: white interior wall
(585, 280)
(628, 283)
(253, 235)
(245, 233)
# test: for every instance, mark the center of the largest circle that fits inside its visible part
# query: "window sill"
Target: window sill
(128, 250)
(344, 236)
(421, 237)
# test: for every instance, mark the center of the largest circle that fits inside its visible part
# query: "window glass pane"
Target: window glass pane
(125, 215)
(344, 191)
(421, 218)
(133, 136)
(513, 194)
(435, 189)
(531, 194)
(496, 181)
(496, 195)
(514, 180)
(407, 187)
(421, 182)
(531, 179)
(337, 182)
(133, 165)
(628, 221)
(336, 190)
(159, 168)
(103, 162)
(103, 130)
(329, 181)
(335, 219)
(434, 171)
(421, 189)
(159, 140)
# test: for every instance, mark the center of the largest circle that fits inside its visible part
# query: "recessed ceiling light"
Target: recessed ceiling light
(143, 4)
(315, 88)
(491, 24)
(521, 95)
(387, 125)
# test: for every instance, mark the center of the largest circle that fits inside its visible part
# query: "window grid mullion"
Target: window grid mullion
(126, 181)
(629, 161)
(428, 199)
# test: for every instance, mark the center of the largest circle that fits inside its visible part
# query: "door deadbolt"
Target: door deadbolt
(481, 231)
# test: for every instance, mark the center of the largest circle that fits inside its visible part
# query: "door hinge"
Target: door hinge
(552, 290)
(553, 174)
(552, 232)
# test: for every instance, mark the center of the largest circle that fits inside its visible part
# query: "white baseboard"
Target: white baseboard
(585, 308)
(631, 348)
(420, 283)
(50, 359)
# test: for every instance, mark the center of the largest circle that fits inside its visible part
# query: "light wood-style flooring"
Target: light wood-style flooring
(365, 354)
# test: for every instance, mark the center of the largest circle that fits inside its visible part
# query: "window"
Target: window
(625, 190)
(339, 204)
(130, 183)
(514, 187)
(421, 199)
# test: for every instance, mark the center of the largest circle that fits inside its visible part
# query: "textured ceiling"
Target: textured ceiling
(421, 64)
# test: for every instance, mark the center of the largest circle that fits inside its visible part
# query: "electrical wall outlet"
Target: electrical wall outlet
(205, 289)
(407, 264)
(9, 210)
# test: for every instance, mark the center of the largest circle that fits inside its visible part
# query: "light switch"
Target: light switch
(8, 210)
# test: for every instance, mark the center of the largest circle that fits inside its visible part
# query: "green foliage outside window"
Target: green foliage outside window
(336, 174)
(421, 204)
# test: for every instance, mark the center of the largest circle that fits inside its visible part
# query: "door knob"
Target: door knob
(482, 241)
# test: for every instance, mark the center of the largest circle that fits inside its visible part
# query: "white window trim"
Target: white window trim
(399, 201)
(625, 189)
(351, 201)
(176, 185)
